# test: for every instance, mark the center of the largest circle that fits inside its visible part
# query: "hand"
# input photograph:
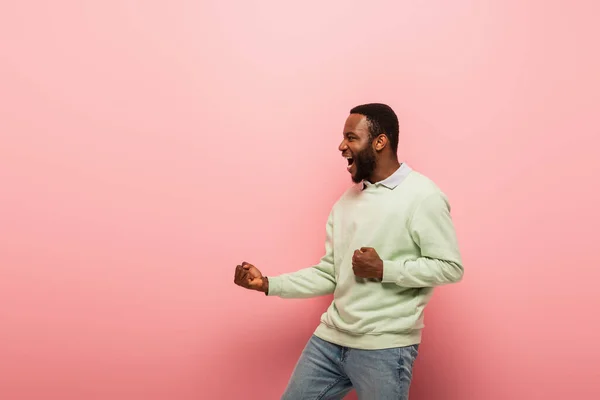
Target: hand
(367, 264)
(249, 277)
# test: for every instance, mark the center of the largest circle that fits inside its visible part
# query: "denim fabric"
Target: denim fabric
(326, 371)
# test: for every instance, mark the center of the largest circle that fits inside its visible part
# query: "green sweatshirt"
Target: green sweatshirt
(406, 219)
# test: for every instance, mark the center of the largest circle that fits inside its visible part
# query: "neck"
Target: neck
(384, 169)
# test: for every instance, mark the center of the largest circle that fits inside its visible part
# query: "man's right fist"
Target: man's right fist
(249, 277)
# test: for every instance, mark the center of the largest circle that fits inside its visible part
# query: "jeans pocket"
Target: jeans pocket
(408, 355)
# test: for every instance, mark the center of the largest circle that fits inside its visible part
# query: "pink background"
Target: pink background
(148, 147)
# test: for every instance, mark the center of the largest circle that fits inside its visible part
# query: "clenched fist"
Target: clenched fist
(367, 264)
(249, 277)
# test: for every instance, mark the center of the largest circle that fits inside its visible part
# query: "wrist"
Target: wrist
(265, 285)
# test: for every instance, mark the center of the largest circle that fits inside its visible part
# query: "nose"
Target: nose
(343, 146)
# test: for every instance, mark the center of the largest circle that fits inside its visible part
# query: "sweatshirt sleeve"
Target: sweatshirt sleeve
(440, 263)
(314, 281)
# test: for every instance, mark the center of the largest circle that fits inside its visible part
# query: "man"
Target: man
(390, 241)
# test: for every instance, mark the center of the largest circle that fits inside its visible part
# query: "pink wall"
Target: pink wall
(146, 148)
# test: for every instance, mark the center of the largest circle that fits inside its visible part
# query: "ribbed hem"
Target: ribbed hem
(391, 272)
(368, 341)
(274, 286)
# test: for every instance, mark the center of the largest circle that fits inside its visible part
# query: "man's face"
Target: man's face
(358, 149)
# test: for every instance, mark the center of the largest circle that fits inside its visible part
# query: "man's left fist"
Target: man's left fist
(367, 264)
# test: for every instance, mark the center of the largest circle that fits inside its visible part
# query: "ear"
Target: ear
(380, 142)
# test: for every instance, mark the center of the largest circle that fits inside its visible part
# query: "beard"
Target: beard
(365, 164)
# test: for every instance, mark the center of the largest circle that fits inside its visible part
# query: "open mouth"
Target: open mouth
(350, 162)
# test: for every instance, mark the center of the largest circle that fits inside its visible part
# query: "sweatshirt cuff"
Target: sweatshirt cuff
(274, 286)
(391, 272)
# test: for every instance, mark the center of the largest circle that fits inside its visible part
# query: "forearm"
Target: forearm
(422, 272)
(305, 283)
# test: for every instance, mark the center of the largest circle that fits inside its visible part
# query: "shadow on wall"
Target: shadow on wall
(443, 349)
(440, 352)
(438, 355)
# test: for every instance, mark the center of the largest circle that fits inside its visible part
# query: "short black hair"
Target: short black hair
(382, 120)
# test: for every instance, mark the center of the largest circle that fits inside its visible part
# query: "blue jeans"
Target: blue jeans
(326, 371)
